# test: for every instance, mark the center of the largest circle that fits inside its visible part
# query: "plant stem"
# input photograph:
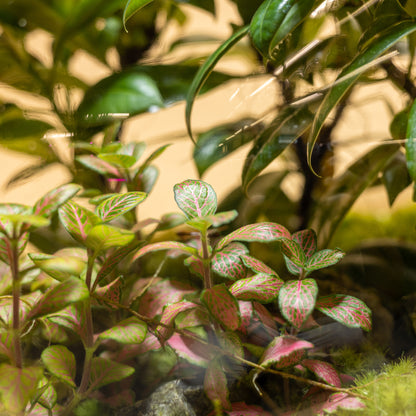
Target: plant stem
(206, 260)
(14, 267)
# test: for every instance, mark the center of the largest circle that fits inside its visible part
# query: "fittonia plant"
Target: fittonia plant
(235, 288)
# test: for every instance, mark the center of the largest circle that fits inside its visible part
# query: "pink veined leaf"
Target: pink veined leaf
(6, 311)
(222, 218)
(291, 267)
(192, 318)
(261, 287)
(105, 295)
(48, 396)
(223, 306)
(129, 351)
(246, 313)
(104, 371)
(338, 401)
(6, 344)
(196, 266)
(119, 204)
(297, 300)
(256, 265)
(284, 351)
(324, 258)
(227, 262)
(260, 232)
(98, 165)
(347, 310)
(191, 350)
(61, 363)
(195, 198)
(231, 343)
(265, 317)
(307, 241)
(293, 251)
(323, 371)
(215, 385)
(165, 245)
(128, 331)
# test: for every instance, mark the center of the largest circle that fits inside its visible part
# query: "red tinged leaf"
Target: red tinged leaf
(195, 265)
(231, 343)
(215, 385)
(191, 350)
(246, 313)
(105, 371)
(98, 165)
(60, 362)
(297, 300)
(105, 295)
(222, 218)
(324, 258)
(195, 198)
(323, 371)
(291, 267)
(256, 265)
(261, 287)
(284, 351)
(260, 232)
(293, 251)
(119, 204)
(347, 310)
(227, 262)
(262, 315)
(307, 241)
(338, 401)
(165, 245)
(223, 306)
(128, 331)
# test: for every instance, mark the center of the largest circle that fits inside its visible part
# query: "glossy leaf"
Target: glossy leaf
(227, 262)
(195, 198)
(50, 202)
(261, 287)
(411, 144)
(165, 245)
(60, 362)
(215, 385)
(128, 331)
(18, 386)
(260, 232)
(191, 350)
(323, 371)
(297, 300)
(118, 205)
(223, 306)
(284, 351)
(379, 44)
(324, 258)
(347, 310)
(293, 251)
(307, 241)
(102, 237)
(132, 7)
(104, 371)
(204, 72)
(257, 266)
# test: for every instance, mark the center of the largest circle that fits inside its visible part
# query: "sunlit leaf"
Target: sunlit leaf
(261, 287)
(27, 220)
(60, 362)
(215, 385)
(227, 262)
(128, 331)
(104, 371)
(119, 204)
(102, 237)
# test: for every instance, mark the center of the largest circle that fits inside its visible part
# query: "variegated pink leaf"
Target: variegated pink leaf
(215, 385)
(129, 351)
(260, 232)
(193, 318)
(291, 267)
(77, 220)
(195, 198)
(324, 258)
(347, 310)
(119, 204)
(222, 218)
(293, 251)
(242, 409)
(165, 245)
(191, 350)
(107, 294)
(323, 371)
(307, 240)
(265, 317)
(261, 287)
(246, 313)
(61, 363)
(98, 165)
(231, 343)
(284, 351)
(129, 331)
(105, 371)
(227, 262)
(196, 266)
(338, 401)
(6, 227)
(297, 300)
(256, 265)
(6, 344)
(223, 306)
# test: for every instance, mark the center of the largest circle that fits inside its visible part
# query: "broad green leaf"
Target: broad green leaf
(6, 226)
(132, 7)
(324, 258)
(227, 262)
(222, 218)
(257, 266)
(23, 222)
(411, 145)
(191, 350)
(260, 287)
(121, 95)
(98, 165)
(266, 22)
(165, 245)
(260, 232)
(18, 386)
(347, 310)
(69, 291)
(119, 160)
(128, 331)
(297, 300)
(396, 177)
(77, 220)
(284, 351)
(379, 44)
(323, 371)
(195, 198)
(102, 237)
(293, 251)
(119, 204)
(223, 306)
(104, 371)
(60, 362)
(215, 385)
(205, 71)
(200, 224)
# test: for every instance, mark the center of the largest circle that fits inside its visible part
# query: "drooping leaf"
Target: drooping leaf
(132, 7)
(102, 237)
(215, 385)
(297, 300)
(246, 313)
(223, 306)
(104, 371)
(261, 287)
(324, 371)
(257, 266)
(347, 310)
(227, 262)
(195, 198)
(165, 245)
(118, 205)
(204, 72)
(191, 350)
(411, 144)
(284, 351)
(60, 362)
(324, 258)
(260, 232)
(129, 331)
(262, 314)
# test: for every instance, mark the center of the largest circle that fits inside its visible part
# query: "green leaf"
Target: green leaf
(102, 237)
(154, 155)
(396, 177)
(119, 204)
(48, 396)
(379, 44)
(132, 7)
(195, 198)
(165, 245)
(411, 146)
(98, 165)
(227, 262)
(293, 251)
(60, 362)
(257, 266)
(18, 386)
(128, 331)
(29, 220)
(170, 220)
(121, 95)
(205, 71)
(121, 161)
(223, 306)
(324, 258)
(260, 287)
(105, 371)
